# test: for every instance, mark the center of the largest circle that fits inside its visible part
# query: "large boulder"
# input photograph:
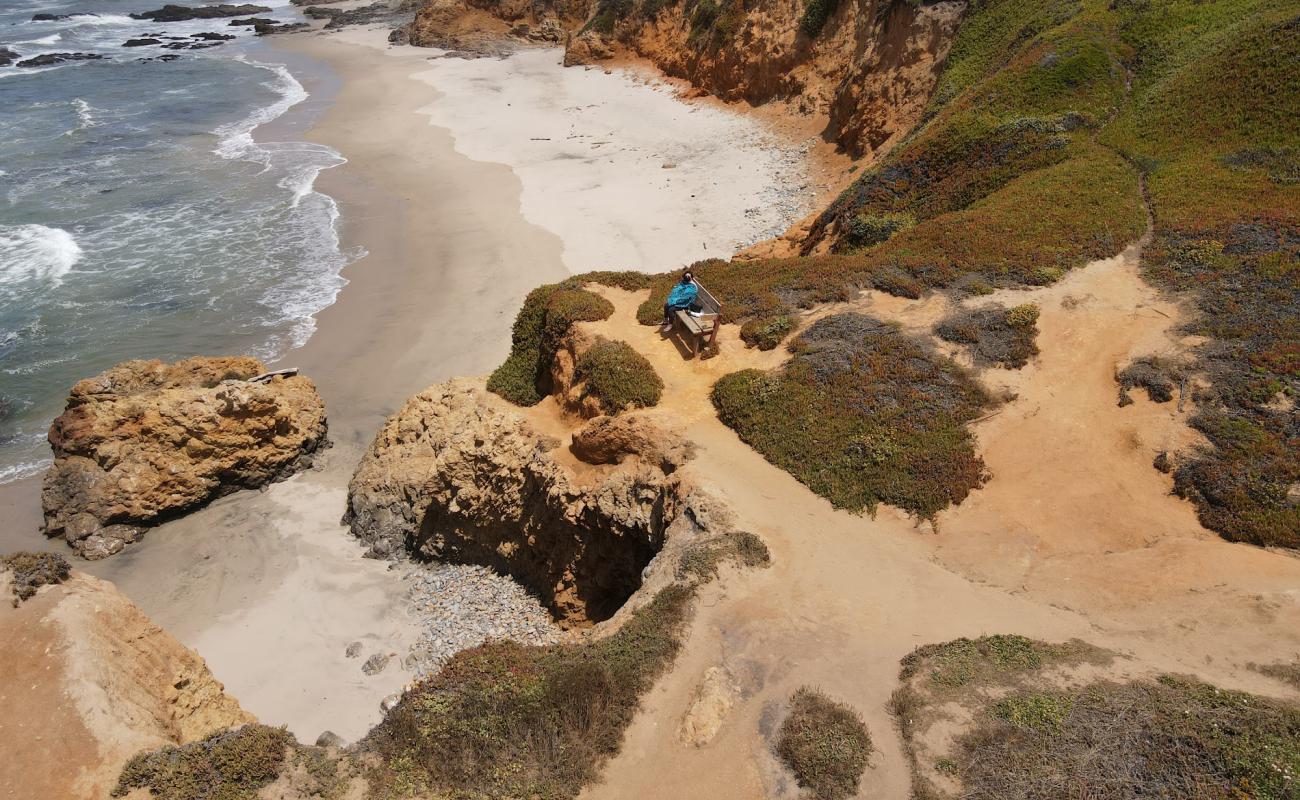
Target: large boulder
(459, 475)
(147, 440)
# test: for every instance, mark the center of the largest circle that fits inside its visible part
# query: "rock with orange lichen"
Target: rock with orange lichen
(145, 440)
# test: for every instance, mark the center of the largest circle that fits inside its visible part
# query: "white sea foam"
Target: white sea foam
(85, 116)
(36, 253)
(23, 469)
(237, 137)
(51, 39)
(108, 19)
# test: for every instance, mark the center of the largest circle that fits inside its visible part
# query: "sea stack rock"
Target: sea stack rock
(148, 440)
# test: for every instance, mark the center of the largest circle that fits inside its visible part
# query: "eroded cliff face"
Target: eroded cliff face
(869, 71)
(89, 682)
(458, 475)
(145, 440)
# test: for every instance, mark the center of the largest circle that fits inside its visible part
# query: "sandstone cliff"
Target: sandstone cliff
(868, 69)
(146, 440)
(89, 682)
(459, 475)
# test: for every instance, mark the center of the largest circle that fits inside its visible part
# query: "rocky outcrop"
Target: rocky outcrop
(174, 13)
(89, 681)
(50, 59)
(458, 475)
(8, 56)
(869, 70)
(147, 440)
(612, 440)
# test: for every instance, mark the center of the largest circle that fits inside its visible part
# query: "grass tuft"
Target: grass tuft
(703, 559)
(825, 744)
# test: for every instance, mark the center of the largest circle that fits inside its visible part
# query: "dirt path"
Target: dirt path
(1075, 536)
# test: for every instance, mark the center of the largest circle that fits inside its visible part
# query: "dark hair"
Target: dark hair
(688, 275)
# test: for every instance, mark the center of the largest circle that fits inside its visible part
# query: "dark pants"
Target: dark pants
(670, 311)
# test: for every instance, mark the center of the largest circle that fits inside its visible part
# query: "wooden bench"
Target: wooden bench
(703, 324)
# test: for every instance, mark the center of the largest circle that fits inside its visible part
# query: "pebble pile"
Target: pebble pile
(461, 606)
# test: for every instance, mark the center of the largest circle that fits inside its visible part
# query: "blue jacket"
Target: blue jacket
(683, 295)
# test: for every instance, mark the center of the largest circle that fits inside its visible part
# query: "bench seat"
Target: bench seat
(704, 327)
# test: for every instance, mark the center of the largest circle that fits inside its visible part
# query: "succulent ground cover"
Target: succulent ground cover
(31, 571)
(995, 334)
(862, 414)
(1026, 732)
(618, 377)
(1056, 128)
(825, 744)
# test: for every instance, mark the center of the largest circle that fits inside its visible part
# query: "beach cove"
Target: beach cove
(457, 224)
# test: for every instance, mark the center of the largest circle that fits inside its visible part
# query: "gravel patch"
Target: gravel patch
(460, 606)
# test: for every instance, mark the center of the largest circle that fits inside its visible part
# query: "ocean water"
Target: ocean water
(143, 213)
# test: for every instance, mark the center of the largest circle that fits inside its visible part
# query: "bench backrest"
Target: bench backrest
(707, 301)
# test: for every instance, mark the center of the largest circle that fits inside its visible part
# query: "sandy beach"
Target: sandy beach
(458, 222)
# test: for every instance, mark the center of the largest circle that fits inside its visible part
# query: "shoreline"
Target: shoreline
(269, 586)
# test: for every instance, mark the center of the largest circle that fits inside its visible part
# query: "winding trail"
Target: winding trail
(1075, 535)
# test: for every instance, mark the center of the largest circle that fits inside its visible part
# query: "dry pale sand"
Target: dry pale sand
(616, 165)
(1075, 536)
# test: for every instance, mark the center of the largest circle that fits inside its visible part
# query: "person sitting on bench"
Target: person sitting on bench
(682, 297)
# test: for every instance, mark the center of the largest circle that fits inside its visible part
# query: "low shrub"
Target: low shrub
(988, 659)
(869, 230)
(1157, 376)
(815, 15)
(229, 765)
(766, 333)
(618, 377)
(31, 571)
(1024, 735)
(996, 334)
(504, 720)
(862, 414)
(546, 316)
(825, 744)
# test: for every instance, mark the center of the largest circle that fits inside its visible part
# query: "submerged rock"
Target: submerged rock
(7, 56)
(147, 440)
(145, 42)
